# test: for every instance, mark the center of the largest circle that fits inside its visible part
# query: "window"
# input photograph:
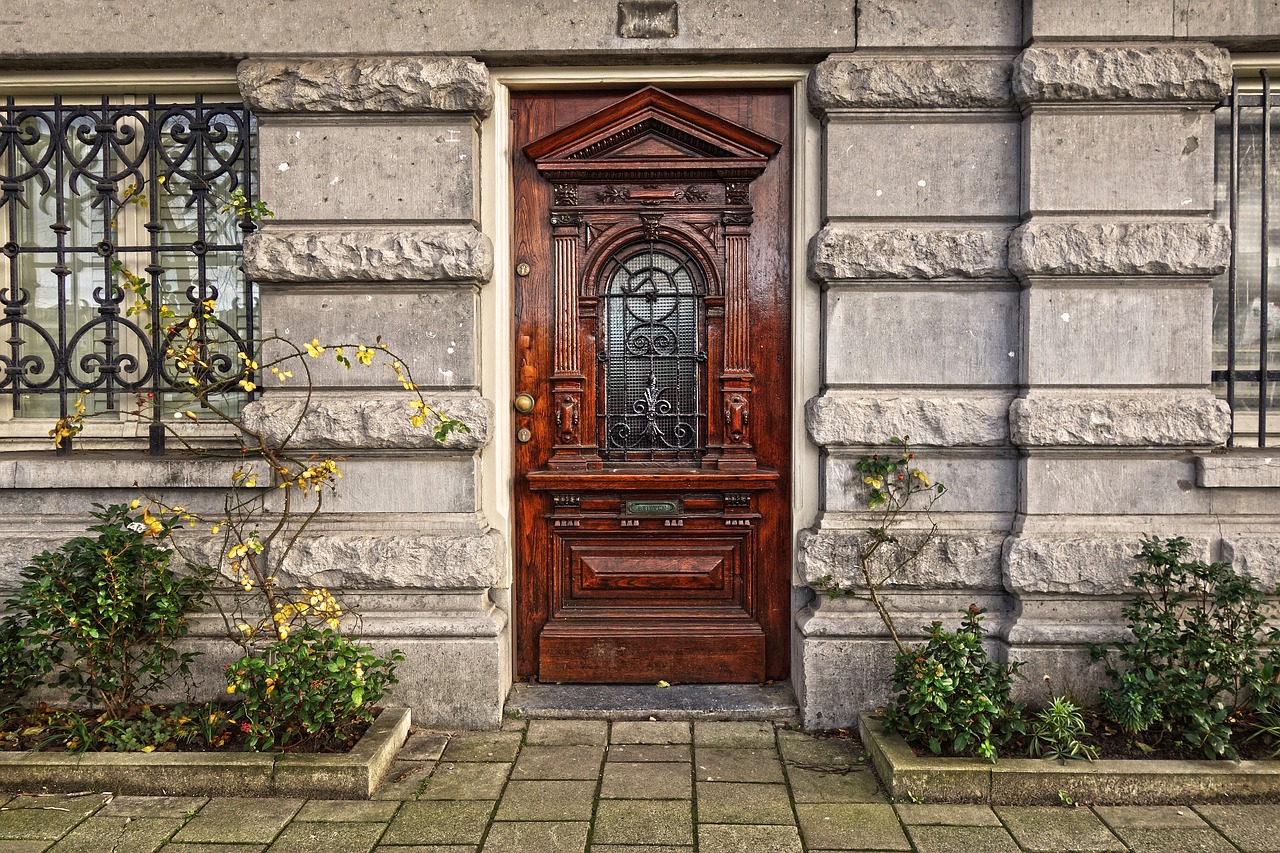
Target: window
(653, 354)
(1246, 310)
(114, 223)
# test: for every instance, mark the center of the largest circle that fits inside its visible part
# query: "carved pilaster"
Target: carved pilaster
(737, 323)
(566, 307)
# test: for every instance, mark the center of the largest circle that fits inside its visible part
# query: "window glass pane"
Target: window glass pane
(1250, 314)
(654, 355)
(117, 227)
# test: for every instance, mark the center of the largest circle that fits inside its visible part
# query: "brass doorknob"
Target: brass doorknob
(524, 403)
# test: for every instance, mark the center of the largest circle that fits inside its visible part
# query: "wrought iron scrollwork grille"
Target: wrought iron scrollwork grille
(653, 355)
(91, 195)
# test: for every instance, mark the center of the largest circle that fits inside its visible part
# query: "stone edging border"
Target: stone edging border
(1032, 781)
(350, 776)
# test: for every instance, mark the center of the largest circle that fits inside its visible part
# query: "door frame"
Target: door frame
(497, 296)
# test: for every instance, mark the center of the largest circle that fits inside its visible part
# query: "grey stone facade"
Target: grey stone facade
(1012, 265)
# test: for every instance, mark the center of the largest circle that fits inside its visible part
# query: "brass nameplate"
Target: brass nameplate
(652, 508)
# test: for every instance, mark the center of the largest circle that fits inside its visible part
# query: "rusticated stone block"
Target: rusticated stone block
(1140, 332)
(1255, 556)
(1075, 19)
(1239, 21)
(428, 561)
(1077, 565)
(848, 83)
(895, 169)
(986, 482)
(411, 168)
(1119, 248)
(918, 24)
(1238, 471)
(368, 421)
(941, 336)
(845, 252)
(949, 561)
(1163, 420)
(836, 419)
(1134, 72)
(366, 84)
(1156, 158)
(419, 254)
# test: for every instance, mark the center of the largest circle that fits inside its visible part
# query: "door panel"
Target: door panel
(652, 492)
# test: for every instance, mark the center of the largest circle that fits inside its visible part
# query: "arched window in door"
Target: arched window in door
(653, 354)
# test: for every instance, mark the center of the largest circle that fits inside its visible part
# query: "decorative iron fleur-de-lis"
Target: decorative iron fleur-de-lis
(651, 405)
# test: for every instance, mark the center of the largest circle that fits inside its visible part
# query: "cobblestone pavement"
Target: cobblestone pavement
(560, 786)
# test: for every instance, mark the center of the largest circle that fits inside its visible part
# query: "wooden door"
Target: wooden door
(652, 337)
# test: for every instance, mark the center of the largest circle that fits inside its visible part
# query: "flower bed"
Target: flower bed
(350, 775)
(908, 777)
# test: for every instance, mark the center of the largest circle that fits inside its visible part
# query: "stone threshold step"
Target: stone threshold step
(774, 701)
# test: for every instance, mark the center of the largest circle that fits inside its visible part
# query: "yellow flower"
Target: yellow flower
(314, 349)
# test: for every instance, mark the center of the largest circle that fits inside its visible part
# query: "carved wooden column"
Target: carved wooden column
(567, 380)
(735, 381)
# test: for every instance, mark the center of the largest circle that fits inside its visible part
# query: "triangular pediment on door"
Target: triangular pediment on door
(652, 132)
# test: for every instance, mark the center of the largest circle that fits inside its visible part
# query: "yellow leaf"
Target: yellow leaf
(663, 684)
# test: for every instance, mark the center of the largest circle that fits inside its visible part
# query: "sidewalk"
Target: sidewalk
(561, 786)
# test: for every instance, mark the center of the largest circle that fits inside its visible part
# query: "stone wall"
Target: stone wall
(1014, 262)
(1037, 318)
(921, 339)
(372, 166)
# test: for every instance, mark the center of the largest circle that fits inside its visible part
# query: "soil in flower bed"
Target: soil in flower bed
(1112, 743)
(150, 728)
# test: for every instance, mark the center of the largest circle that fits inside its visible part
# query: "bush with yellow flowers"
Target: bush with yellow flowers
(299, 677)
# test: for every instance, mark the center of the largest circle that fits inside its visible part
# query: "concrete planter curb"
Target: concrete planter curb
(350, 776)
(1033, 781)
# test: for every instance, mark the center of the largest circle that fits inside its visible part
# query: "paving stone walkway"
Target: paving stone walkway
(562, 786)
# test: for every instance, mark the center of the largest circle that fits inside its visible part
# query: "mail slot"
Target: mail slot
(652, 508)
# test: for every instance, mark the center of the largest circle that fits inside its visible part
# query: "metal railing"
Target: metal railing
(116, 220)
(1245, 371)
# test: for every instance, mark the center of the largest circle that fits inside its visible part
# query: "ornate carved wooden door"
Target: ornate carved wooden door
(652, 339)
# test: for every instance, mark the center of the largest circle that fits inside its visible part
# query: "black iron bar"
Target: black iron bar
(155, 228)
(1234, 213)
(1263, 320)
(60, 269)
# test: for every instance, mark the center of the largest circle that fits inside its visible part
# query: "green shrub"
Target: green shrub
(104, 612)
(951, 695)
(314, 682)
(20, 670)
(1199, 654)
(1057, 730)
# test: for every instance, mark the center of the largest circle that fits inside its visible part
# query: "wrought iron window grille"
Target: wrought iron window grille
(653, 355)
(113, 225)
(1246, 324)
